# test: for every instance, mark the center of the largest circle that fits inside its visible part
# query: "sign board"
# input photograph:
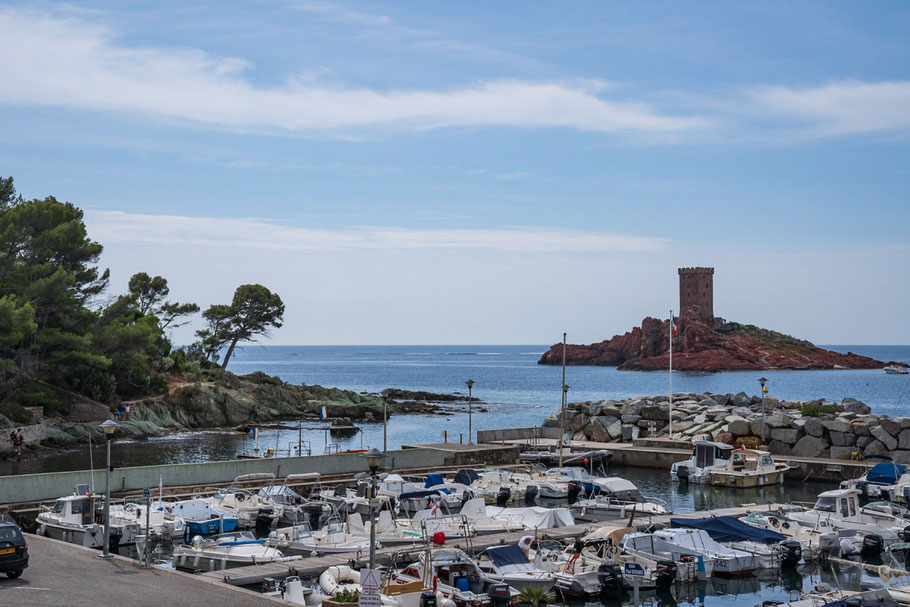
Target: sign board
(369, 583)
(633, 570)
(146, 492)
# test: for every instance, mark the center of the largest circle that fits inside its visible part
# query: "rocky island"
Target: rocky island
(704, 342)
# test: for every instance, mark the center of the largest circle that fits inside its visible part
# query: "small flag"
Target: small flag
(323, 413)
(673, 326)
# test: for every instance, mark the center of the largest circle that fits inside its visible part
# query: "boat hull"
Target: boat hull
(745, 481)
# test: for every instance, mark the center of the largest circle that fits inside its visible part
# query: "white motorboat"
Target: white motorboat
(748, 468)
(226, 550)
(706, 456)
(773, 550)
(199, 516)
(393, 592)
(578, 575)
(475, 511)
(73, 520)
(606, 506)
(454, 495)
(291, 507)
(435, 520)
(839, 510)
(725, 560)
(623, 545)
(886, 480)
(814, 542)
(332, 539)
(509, 486)
(897, 370)
(579, 481)
(457, 578)
(161, 524)
(533, 517)
(509, 564)
(250, 508)
(388, 532)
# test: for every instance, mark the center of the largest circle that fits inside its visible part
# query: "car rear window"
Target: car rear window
(10, 534)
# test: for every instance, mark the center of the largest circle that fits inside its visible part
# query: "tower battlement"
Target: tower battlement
(696, 290)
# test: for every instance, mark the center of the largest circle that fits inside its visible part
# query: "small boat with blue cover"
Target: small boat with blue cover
(200, 517)
(226, 550)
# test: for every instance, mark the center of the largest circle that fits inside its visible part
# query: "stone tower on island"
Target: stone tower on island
(696, 290)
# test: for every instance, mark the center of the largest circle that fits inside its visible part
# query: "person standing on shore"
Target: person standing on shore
(120, 411)
(127, 411)
(15, 437)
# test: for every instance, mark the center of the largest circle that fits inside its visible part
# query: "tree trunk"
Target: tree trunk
(230, 351)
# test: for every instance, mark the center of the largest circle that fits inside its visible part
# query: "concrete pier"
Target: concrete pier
(64, 574)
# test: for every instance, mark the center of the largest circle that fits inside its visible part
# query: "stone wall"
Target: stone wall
(736, 419)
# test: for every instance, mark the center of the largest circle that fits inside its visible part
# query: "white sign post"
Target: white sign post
(369, 584)
(635, 571)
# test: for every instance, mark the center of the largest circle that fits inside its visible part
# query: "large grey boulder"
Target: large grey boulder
(656, 412)
(738, 426)
(885, 437)
(836, 425)
(863, 441)
(631, 419)
(722, 399)
(741, 400)
(578, 423)
(682, 426)
(809, 446)
(599, 431)
(814, 427)
(892, 427)
(901, 457)
(854, 406)
(615, 430)
(903, 439)
(709, 402)
(786, 435)
(843, 439)
(778, 419)
(860, 428)
(611, 411)
(770, 402)
(779, 447)
(631, 409)
(876, 447)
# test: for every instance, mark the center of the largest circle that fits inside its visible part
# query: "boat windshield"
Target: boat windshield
(60, 506)
(766, 460)
(826, 504)
(334, 526)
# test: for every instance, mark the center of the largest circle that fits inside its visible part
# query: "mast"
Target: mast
(670, 336)
(562, 408)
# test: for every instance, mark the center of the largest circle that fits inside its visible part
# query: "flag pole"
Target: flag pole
(670, 334)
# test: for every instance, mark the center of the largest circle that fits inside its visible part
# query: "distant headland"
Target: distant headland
(704, 342)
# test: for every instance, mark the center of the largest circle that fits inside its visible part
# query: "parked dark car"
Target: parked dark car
(13, 550)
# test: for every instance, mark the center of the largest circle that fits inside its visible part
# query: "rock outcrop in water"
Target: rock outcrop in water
(721, 346)
(813, 429)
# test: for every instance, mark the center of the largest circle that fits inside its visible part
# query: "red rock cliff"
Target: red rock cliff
(700, 347)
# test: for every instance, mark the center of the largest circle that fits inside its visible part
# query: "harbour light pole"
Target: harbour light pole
(470, 384)
(764, 390)
(108, 427)
(374, 459)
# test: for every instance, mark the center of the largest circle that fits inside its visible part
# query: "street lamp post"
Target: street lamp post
(764, 390)
(374, 459)
(108, 427)
(470, 384)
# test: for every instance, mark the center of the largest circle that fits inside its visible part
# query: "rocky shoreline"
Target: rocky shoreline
(229, 402)
(845, 430)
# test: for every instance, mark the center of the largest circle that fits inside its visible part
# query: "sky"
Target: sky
(479, 173)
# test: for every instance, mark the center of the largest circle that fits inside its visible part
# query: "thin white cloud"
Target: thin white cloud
(513, 176)
(174, 230)
(73, 63)
(839, 108)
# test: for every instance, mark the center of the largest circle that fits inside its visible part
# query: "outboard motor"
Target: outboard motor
(828, 542)
(531, 493)
(682, 474)
(872, 544)
(863, 487)
(427, 599)
(314, 515)
(905, 534)
(574, 489)
(500, 595)
(467, 495)
(610, 577)
(666, 574)
(504, 495)
(269, 584)
(791, 553)
(264, 520)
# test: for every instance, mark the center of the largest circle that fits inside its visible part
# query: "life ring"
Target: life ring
(339, 577)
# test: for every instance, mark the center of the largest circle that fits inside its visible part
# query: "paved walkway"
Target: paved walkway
(63, 574)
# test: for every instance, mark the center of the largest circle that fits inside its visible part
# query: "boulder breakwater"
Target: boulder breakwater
(818, 428)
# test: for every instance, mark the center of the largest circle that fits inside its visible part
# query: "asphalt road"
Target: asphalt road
(63, 574)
